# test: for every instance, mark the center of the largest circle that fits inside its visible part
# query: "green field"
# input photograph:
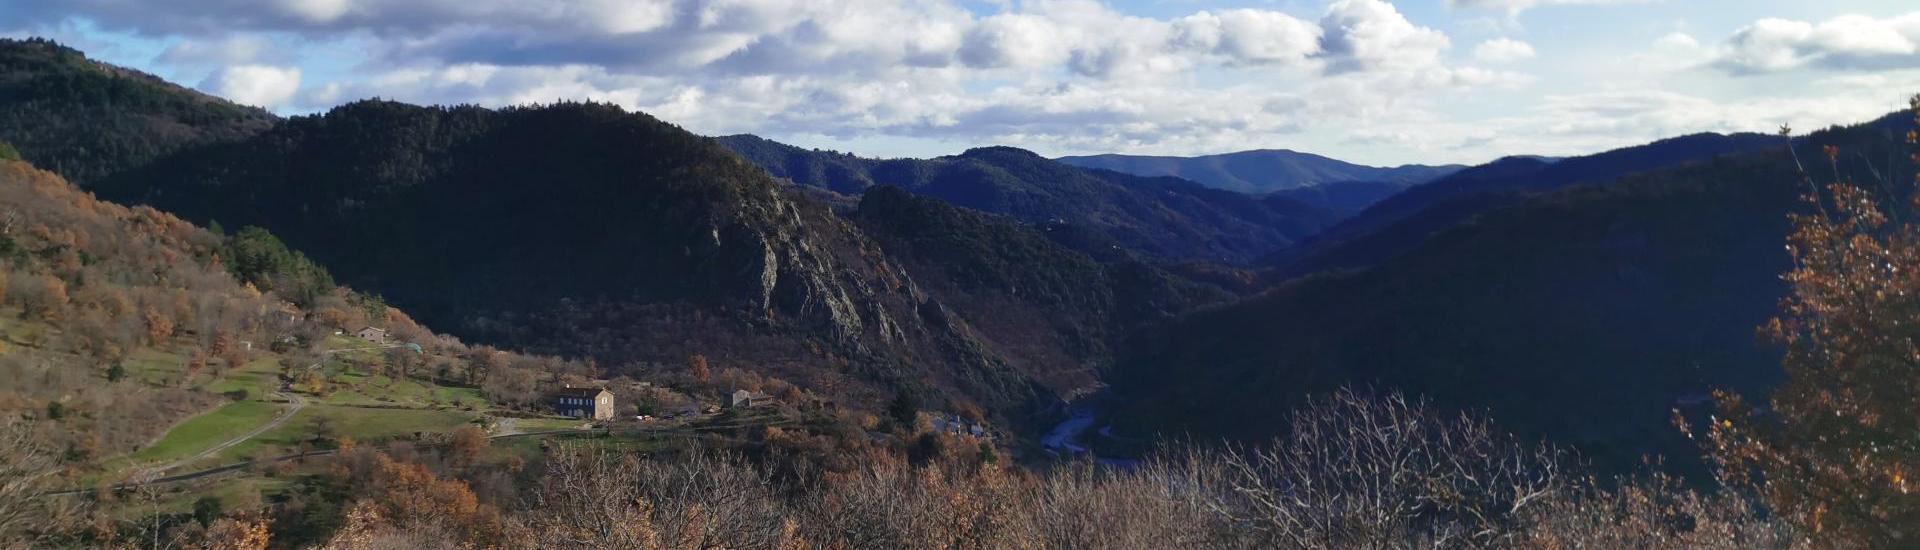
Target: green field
(202, 432)
(380, 391)
(366, 425)
(525, 425)
(259, 379)
(529, 448)
(154, 366)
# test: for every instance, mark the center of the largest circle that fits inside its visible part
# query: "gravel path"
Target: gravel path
(298, 403)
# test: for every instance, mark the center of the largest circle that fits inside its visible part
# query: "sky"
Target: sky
(1370, 81)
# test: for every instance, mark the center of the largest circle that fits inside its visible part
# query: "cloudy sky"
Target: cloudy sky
(1366, 80)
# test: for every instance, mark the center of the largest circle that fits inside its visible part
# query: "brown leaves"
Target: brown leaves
(1835, 452)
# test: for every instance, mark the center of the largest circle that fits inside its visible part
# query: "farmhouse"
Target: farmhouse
(588, 403)
(372, 334)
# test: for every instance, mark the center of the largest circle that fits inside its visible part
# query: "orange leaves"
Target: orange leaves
(159, 326)
(407, 495)
(1833, 456)
(468, 444)
(697, 364)
(237, 534)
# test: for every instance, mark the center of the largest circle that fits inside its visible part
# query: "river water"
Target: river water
(1065, 436)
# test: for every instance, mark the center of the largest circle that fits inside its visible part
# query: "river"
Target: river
(1064, 440)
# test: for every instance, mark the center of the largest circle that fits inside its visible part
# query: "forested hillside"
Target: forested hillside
(1158, 218)
(1402, 221)
(1039, 302)
(1262, 171)
(1343, 199)
(1518, 355)
(118, 323)
(85, 119)
(1583, 315)
(583, 230)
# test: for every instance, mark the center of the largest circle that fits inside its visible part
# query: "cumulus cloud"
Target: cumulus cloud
(258, 85)
(1845, 42)
(1249, 37)
(1059, 75)
(1372, 35)
(1503, 50)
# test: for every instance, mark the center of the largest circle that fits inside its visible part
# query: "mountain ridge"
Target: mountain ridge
(1160, 218)
(1400, 221)
(1260, 170)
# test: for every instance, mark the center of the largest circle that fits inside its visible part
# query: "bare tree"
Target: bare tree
(24, 469)
(703, 499)
(592, 500)
(1361, 471)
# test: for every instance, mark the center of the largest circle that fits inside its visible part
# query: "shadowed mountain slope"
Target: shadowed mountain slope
(1400, 222)
(582, 230)
(1584, 315)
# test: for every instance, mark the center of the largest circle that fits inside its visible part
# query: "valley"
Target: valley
(384, 324)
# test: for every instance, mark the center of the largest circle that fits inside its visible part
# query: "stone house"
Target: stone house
(586, 403)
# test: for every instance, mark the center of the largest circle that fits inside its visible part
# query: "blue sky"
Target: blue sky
(1366, 80)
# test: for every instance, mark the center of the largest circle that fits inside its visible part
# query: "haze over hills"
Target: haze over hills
(1159, 218)
(1261, 171)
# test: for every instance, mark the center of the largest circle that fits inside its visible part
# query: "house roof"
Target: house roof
(372, 328)
(579, 392)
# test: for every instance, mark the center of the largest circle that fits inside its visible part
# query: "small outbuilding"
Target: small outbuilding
(741, 399)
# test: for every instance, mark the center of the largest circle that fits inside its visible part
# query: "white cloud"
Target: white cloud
(317, 11)
(1842, 43)
(1503, 50)
(258, 85)
(1060, 76)
(1360, 35)
(1014, 40)
(1514, 7)
(1677, 42)
(1249, 37)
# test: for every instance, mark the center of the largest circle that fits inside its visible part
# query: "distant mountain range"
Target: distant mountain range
(1579, 300)
(1261, 171)
(1157, 218)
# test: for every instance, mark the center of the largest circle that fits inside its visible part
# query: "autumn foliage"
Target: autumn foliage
(1835, 451)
